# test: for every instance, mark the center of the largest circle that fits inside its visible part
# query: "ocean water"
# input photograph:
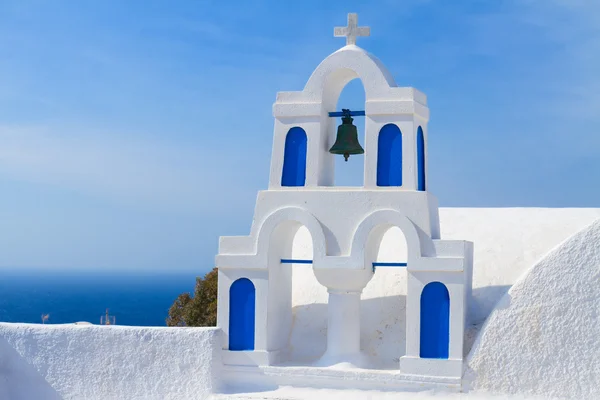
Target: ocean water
(134, 299)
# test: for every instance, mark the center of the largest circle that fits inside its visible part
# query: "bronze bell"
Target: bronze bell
(346, 142)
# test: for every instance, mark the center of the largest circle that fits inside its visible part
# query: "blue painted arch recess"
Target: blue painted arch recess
(421, 160)
(389, 156)
(435, 321)
(294, 158)
(242, 300)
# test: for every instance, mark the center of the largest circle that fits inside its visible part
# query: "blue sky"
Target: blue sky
(113, 154)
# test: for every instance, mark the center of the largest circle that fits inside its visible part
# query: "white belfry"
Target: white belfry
(302, 219)
(352, 30)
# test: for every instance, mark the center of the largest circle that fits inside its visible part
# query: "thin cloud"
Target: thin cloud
(144, 173)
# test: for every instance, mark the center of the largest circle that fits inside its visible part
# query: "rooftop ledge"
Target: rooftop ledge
(397, 94)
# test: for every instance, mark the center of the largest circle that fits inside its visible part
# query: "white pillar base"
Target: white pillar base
(251, 357)
(431, 366)
(343, 330)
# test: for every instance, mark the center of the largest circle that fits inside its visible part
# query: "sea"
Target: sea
(133, 298)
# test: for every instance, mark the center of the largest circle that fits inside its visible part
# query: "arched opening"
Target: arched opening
(294, 158)
(389, 156)
(383, 300)
(435, 321)
(420, 160)
(292, 243)
(242, 299)
(275, 245)
(351, 172)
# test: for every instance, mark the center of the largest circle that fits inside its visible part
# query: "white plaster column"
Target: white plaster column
(413, 315)
(280, 132)
(316, 164)
(409, 153)
(343, 326)
(326, 171)
(373, 125)
(224, 284)
(343, 314)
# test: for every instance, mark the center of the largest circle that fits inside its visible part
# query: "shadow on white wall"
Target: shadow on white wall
(19, 380)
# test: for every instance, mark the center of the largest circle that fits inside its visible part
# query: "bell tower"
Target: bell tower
(346, 224)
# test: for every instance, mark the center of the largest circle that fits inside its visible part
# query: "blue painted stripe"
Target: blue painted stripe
(291, 261)
(352, 113)
(389, 264)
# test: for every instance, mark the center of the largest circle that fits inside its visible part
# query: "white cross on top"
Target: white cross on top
(352, 31)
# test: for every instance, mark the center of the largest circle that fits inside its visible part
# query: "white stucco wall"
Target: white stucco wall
(507, 243)
(98, 362)
(544, 337)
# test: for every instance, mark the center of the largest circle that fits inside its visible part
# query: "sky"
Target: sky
(134, 134)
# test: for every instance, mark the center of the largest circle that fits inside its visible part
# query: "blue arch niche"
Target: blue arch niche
(389, 156)
(420, 160)
(294, 158)
(242, 299)
(435, 321)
